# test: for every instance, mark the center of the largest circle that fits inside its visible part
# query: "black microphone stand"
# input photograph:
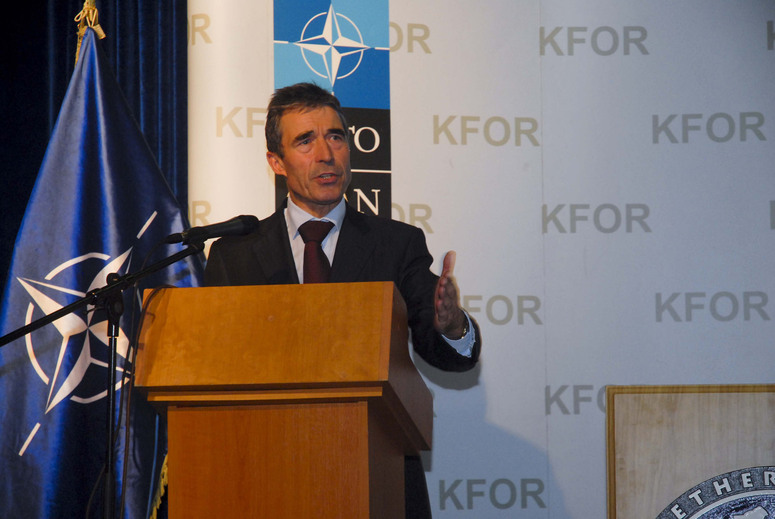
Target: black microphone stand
(109, 297)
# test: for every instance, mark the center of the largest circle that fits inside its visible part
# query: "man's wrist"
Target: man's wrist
(461, 329)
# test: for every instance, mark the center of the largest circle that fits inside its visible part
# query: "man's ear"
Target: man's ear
(276, 163)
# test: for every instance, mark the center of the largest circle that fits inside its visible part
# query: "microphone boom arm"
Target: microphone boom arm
(96, 296)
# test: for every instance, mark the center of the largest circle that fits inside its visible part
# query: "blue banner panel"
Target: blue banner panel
(342, 46)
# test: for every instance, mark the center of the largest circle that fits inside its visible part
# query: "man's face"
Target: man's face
(316, 159)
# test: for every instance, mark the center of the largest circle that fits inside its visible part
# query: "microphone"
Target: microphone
(237, 226)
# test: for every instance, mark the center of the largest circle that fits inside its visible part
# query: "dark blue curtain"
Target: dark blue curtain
(147, 47)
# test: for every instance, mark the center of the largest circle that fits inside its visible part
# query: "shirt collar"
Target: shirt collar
(296, 216)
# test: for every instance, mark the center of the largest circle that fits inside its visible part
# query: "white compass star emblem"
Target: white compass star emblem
(71, 376)
(62, 384)
(331, 46)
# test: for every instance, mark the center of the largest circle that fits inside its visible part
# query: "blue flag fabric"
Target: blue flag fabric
(100, 205)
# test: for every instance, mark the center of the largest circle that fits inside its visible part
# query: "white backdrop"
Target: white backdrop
(604, 170)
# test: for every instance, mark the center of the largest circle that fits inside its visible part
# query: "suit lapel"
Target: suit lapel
(353, 249)
(276, 262)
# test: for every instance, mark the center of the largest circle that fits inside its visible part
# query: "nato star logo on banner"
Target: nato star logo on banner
(342, 46)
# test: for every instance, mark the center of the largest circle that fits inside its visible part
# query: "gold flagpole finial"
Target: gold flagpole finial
(88, 17)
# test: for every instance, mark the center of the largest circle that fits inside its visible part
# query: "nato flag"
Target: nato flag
(100, 205)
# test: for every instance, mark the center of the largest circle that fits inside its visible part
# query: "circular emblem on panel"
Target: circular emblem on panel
(742, 494)
(335, 40)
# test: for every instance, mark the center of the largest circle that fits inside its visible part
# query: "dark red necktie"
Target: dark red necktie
(316, 265)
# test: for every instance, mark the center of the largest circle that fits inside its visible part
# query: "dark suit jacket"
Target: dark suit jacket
(369, 249)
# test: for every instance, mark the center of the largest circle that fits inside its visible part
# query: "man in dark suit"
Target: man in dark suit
(307, 143)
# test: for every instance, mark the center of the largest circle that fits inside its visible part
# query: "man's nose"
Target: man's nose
(323, 151)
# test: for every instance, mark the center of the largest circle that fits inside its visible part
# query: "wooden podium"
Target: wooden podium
(664, 440)
(285, 401)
